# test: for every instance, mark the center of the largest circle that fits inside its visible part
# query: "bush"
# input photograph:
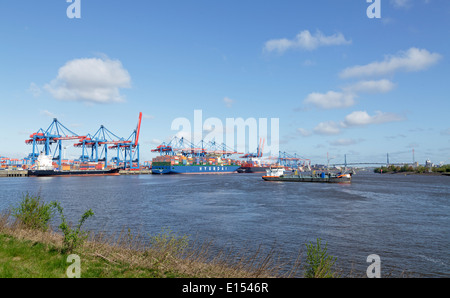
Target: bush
(33, 212)
(73, 238)
(318, 262)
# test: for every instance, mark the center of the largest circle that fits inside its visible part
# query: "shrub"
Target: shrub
(33, 212)
(73, 238)
(318, 262)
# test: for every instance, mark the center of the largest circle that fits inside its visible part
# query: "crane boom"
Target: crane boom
(138, 129)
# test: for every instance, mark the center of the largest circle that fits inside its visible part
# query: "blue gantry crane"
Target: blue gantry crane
(128, 150)
(54, 134)
(186, 148)
(94, 148)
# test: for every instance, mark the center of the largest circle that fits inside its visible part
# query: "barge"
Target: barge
(277, 173)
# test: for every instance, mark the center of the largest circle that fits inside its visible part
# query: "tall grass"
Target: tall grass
(169, 254)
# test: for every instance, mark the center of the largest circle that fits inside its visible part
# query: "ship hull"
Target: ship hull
(52, 173)
(297, 178)
(252, 169)
(194, 169)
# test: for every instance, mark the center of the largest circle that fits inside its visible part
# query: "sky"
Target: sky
(339, 81)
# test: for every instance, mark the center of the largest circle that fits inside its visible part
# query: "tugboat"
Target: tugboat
(276, 173)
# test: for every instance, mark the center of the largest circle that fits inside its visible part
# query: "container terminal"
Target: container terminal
(105, 153)
(46, 157)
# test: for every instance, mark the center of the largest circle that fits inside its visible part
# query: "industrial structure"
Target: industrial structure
(94, 148)
(259, 151)
(180, 156)
(181, 146)
(292, 160)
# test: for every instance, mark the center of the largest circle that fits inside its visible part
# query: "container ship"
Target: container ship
(253, 166)
(175, 159)
(45, 168)
(253, 163)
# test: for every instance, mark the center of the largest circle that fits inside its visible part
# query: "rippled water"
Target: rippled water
(403, 219)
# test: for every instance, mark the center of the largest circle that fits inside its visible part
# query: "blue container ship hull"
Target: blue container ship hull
(194, 169)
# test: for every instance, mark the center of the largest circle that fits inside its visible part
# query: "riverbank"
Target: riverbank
(23, 258)
(443, 170)
(30, 253)
(417, 173)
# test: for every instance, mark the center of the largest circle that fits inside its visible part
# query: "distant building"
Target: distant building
(428, 164)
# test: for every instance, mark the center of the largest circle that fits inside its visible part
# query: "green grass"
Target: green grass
(28, 259)
(22, 258)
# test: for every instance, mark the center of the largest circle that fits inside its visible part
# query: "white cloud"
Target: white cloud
(401, 3)
(381, 86)
(228, 102)
(346, 98)
(156, 142)
(306, 41)
(147, 116)
(354, 119)
(327, 128)
(361, 118)
(90, 79)
(413, 59)
(303, 132)
(308, 62)
(331, 99)
(345, 142)
(34, 89)
(48, 113)
(446, 132)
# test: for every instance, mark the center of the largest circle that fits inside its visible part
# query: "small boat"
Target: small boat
(277, 173)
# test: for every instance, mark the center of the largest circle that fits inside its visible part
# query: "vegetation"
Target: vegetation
(318, 262)
(24, 258)
(30, 248)
(72, 237)
(35, 250)
(442, 169)
(411, 169)
(33, 213)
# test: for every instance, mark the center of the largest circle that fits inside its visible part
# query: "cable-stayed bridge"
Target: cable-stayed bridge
(387, 163)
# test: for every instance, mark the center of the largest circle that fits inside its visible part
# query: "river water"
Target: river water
(403, 219)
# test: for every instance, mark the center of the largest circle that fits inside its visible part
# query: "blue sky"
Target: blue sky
(338, 81)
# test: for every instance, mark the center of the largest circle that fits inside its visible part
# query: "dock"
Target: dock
(135, 172)
(24, 173)
(13, 173)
